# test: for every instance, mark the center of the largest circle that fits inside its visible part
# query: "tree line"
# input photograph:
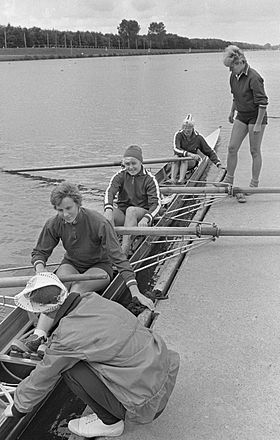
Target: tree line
(128, 37)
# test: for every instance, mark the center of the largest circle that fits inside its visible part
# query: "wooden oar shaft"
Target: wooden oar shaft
(218, 189)
(192, 190)
(21, 281)
(198, 230)
(94, 165)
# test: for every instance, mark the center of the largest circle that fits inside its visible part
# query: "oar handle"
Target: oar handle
(21, 281)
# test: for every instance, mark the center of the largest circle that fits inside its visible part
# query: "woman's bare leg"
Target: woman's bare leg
(132, 216)
(239, 132)
(255, 140)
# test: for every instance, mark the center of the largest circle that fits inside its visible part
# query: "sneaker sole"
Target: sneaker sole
(241, 198)
(99, 434)
(19, 346)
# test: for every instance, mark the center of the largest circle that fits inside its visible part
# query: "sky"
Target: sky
(251, 21)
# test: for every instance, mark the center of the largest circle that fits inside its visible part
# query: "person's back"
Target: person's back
(97, 341)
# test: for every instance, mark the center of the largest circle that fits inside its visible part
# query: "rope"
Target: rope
(192, 244)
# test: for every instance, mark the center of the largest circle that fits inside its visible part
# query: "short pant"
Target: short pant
(250, 117)
(80, 269)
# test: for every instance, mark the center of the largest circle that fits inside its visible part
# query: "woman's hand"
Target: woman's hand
(108, 214)
(144, 222)
(8, 411)
(257, 128)
(231, 117)
(147, 302)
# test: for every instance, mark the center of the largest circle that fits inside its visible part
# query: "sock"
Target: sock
(40, 333)
(254, 183)
(228, 179)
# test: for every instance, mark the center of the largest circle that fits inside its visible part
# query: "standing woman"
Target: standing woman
(250, 102)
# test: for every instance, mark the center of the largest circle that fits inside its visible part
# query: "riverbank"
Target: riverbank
(44, 53)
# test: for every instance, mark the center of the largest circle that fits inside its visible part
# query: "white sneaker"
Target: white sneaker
(92, 426)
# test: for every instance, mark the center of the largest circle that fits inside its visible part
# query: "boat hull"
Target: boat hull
(48, 419)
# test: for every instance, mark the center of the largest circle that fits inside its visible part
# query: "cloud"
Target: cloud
(241, 20)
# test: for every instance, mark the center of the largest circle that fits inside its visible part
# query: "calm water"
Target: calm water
(81, 111)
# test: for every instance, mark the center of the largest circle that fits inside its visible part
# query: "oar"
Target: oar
(225, 189)
(21, 281)
(199, 230)
(94, 165)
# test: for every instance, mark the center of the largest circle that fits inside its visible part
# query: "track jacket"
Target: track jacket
(130, 359)
(183, 145)
(141, 190)
(248, 91)
(89, 240)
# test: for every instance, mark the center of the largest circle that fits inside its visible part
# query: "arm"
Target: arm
(260, 98)
(42, 379)
(258, 124)
(47, 241)
(110, 244)
(208, 151)
(154, 201)
(112, 190)
(232, 112)
(178, 150)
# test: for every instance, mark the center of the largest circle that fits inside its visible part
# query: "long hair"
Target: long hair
(233, 53)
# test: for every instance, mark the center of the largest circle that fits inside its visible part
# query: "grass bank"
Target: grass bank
(42, 53)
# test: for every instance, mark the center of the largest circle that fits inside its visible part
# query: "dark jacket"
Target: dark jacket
(89, 240)
(183, 145)
(248, 90)
(141, 190)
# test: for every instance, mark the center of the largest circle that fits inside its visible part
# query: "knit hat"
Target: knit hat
(49, 301)
(189, 120)
(134, 151)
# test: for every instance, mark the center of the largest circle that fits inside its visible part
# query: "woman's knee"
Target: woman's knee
(255, 151)
(131, 214)
(233, 149)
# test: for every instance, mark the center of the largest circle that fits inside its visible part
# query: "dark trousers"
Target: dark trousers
(91, 390)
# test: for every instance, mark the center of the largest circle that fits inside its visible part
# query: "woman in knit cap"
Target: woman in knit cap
(247, 114)
(187, 142)
(138, 195)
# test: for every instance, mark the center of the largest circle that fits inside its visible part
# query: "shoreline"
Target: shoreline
(45, 53)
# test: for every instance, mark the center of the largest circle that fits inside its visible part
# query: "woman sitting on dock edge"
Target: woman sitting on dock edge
(138, 194)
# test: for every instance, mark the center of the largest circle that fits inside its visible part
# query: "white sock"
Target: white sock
(40, 332)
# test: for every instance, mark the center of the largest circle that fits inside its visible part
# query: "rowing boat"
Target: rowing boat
(49, 418)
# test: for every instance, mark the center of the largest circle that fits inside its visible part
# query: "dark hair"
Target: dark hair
(45, 295)
(65, 189)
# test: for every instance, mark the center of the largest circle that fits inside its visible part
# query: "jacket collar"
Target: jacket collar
(69, 304)
(244, 72)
